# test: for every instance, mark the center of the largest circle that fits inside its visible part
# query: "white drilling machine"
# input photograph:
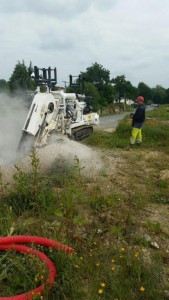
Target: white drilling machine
(55, 111)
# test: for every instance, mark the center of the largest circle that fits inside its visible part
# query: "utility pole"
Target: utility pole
(124, 102)
(65, 85)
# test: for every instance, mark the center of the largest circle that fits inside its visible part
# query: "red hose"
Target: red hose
(9, 243)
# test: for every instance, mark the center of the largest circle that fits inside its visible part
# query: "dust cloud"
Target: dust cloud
(73, 152)
(13, 113)
(60, 151)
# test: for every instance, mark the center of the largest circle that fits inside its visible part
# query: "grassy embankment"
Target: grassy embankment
(113, 221)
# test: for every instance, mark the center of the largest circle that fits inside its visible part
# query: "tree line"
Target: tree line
(98, 84)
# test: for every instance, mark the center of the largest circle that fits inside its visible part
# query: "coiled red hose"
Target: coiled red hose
(11, 243)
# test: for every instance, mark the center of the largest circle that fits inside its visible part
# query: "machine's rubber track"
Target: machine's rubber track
(82, 132)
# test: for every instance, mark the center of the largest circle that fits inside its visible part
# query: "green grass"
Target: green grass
(155, 135)
(102, 224)
(160, 113)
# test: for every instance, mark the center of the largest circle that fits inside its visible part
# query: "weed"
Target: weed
(32, 190)
(163, 183)
(153, 227)
(160, 198)
(19, 266)
(97, 204)
(140, 240)
(103, 172)
(116, 230)
(7, 219)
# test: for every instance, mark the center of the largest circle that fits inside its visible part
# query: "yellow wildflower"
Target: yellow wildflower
(123, 249)
(142, 289)
(103, 284)
(113, 261)
(100, 291)
(113, 268)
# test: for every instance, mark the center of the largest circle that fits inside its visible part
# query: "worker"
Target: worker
(138, 119)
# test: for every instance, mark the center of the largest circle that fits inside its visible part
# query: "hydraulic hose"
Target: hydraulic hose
(11, 243)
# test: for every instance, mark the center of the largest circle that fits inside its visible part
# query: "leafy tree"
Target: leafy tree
(30, 83)
(91, 90)
(96, 74)
(107, 93)
(100, 77)
(123, 88)
(130, 91)
(4, 86)
(133, 93)
(145, 91)
(167, 96)
(159, 94)
(21, 78)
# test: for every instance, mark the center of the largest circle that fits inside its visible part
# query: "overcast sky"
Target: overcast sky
(127, 37)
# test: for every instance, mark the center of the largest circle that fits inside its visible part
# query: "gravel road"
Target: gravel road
(109, 123)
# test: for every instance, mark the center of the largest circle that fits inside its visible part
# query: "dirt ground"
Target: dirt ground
(143, 170)
(126, 166)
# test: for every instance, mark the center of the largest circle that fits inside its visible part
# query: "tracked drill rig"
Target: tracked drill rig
(55, 111)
